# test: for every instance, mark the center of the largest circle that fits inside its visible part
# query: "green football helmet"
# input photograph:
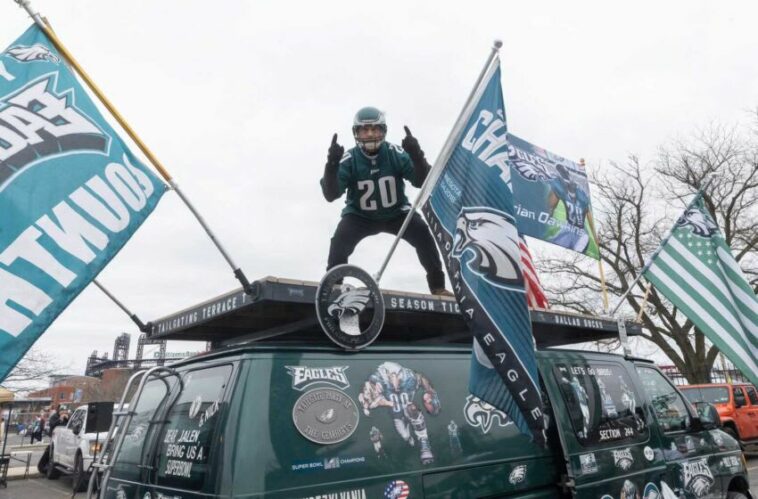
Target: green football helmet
(369, 116)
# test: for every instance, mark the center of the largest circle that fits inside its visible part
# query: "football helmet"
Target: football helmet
(370, 116)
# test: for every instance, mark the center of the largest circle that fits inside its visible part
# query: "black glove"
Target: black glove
(336, 152)
(412, 147)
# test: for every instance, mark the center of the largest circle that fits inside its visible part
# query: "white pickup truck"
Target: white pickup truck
(72, 451)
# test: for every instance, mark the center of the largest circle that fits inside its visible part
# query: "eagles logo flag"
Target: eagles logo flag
(470, 211)
(71, 193)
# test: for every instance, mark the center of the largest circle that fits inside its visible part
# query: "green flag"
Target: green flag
(694, 268)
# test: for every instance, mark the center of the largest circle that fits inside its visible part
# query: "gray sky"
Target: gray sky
(239, 101)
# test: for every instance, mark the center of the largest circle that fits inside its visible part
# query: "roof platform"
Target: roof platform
(283, 311)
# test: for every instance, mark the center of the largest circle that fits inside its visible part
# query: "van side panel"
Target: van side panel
(393, 418)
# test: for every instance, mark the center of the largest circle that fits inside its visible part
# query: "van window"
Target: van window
(752, 395)
(669, 407)
(602, 402)
(130, 457)
(185, 440)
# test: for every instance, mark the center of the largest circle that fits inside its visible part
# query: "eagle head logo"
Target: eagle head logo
(352, 302)
(347, 307)
(532, 171)
(492, 237)
(479, 413)
(36, 52)
(702, 224)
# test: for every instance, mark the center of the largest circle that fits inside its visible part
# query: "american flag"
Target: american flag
(535, 296)
(397, 489)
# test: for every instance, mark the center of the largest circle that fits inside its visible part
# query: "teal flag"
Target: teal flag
(71, 193)
(695, 269)
(470, 212)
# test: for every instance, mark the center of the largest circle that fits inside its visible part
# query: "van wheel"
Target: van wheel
(52, 472)
(735, 495)
(79, 478)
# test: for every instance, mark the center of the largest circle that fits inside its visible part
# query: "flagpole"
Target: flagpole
(144, 328)
(38, 20)
(431, 177)
(644, 301)
(649, 262)
(603, 286)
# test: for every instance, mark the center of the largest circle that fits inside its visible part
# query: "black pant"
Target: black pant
(352, 229)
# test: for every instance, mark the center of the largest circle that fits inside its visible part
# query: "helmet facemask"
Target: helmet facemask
(369, 129)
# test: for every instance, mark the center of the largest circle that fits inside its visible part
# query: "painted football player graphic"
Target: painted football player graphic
(584, 404)
(376, 439)
(394, 387)
(373, 174)
(563, 188)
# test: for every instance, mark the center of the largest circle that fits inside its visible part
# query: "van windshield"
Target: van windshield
(710, 394)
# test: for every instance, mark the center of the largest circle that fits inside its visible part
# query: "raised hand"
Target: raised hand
(336, 151)
(411, 145)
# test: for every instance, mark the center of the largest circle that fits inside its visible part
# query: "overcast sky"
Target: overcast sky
(239, 100)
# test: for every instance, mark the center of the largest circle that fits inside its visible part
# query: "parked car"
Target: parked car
(71, 451)
(736, 403)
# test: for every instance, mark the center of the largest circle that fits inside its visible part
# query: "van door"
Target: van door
(602, 425)
(693, 466)
(742, 413)
(751, 413)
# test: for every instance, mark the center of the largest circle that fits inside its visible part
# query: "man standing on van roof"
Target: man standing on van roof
(373, 174)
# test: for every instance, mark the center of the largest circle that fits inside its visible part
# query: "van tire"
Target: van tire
(52, 473)
(79, 477)
(733, 494)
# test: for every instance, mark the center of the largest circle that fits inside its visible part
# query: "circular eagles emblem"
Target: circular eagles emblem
(343, 310)
(325, 415)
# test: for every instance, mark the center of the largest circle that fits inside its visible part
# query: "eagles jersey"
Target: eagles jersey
(375, 187)
(576, 206)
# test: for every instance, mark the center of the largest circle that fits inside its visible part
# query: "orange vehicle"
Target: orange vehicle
(737, 405)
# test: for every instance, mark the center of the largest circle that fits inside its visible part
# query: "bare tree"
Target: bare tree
(32, 372)
(635, 206)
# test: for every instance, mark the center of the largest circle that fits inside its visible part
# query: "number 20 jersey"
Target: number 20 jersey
(374, 185)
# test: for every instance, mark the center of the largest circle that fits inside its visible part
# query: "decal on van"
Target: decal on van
(479, 413)
(623, 458)
(397, 489)
(697, 477)
(732, 463)
(649, 453)
(517, 475)
(304, 376)
(325, 416)
(629, 491)
(651, 491)
(376, 437)
(342, 494)
(395, 388)
(588, 463)
(455, 442)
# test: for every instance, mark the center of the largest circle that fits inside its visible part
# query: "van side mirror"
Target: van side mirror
(708, 415)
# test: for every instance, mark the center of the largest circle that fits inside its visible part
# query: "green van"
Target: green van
(277, 411)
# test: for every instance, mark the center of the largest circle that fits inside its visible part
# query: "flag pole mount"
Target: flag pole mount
(431, 176)
(39, 21)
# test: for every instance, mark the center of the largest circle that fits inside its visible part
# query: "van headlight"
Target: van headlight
(94, 447)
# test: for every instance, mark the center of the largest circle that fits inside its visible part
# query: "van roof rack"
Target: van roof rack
(282, 310)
